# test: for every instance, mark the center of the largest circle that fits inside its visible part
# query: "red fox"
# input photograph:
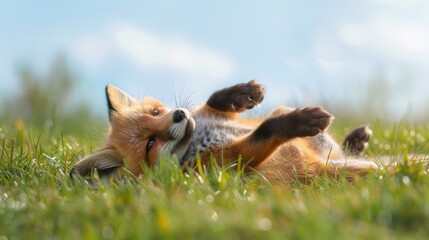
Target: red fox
(288, 145)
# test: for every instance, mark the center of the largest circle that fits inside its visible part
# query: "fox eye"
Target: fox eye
(155, 112)
(150, 143)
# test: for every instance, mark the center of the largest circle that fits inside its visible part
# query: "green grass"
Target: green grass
(39, 201)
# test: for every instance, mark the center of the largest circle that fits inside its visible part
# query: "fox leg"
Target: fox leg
(325, 146)
(353, 145)
(270, 134)
(229, 102)
(107, 162)
(356, 141)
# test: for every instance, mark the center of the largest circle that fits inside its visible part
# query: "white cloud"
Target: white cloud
(394, 45)
(147, 49)
(398, 3)
(391, 36)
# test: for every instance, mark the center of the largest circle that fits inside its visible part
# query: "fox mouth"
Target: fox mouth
(180, 136)
(182, 131)
(185, 140)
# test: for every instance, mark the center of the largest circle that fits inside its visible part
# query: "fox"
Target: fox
(288, 145)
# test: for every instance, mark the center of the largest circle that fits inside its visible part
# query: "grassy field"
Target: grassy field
(39, 201)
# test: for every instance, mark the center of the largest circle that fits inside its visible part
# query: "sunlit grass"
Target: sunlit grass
(38, 199)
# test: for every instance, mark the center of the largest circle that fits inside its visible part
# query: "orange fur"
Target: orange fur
(294, 160)
(130, 130)
(279, 158)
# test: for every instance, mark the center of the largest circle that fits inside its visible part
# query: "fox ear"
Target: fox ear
(107, 163)
(117, 99)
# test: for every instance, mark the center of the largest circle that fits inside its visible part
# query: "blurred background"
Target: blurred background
(366, 60)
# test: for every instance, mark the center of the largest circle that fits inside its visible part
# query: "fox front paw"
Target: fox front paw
(238, 98)
(247, 95)
(306, 122)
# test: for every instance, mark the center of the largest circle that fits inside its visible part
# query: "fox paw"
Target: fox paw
(247, 95)
(238, 98)
(301, 122)
(356, 141)
(306, 122)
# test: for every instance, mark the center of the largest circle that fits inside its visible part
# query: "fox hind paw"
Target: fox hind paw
(356, 141)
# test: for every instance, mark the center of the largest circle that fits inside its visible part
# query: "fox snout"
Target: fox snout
(181, 120)
(180, 133)
(179, 115)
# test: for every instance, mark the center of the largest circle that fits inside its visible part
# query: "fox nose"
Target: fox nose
(178, 116)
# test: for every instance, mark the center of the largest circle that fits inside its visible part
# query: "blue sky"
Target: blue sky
(302, 51)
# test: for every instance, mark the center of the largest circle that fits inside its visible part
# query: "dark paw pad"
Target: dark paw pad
(238, 98)
(308, 121)
(246, 95)
(356, 142)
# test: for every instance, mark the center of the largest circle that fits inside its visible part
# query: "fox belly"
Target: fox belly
(294, 161)
(212, 132)
(299, 159)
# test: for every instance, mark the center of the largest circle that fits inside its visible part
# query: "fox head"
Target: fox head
(140, 132)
